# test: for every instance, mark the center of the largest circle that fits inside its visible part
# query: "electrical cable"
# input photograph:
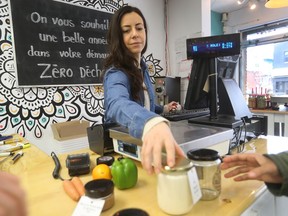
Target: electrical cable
(56, 171)
(241, 146)
(236, 139)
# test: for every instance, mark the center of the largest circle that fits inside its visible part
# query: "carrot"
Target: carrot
(79, 185)
(71, 190)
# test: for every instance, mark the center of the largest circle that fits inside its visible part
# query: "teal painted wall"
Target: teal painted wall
(216, 24)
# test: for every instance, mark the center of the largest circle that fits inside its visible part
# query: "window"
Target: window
(286, 57)
(264, 68)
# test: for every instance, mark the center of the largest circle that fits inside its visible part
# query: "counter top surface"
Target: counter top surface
(282, 110)
(46, 195)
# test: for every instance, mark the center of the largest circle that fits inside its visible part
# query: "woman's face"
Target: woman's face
(134, 34)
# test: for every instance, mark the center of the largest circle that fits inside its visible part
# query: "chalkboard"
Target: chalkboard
(58, 43)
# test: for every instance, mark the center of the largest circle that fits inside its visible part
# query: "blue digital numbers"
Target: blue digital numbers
(227, 45)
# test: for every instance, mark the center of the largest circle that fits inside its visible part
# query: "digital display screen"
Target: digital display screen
(130, 148)
(214, 46)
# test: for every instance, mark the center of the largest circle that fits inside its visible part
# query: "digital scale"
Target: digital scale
(127, 149)
(188, 136)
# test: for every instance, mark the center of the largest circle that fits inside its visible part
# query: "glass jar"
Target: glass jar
(173, 190)
(207, 163)
(102, 189)
(261, 102)
(252, 101)
(268, 101)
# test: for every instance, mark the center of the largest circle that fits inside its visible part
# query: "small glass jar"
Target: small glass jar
(173, 190)
(207, 163)
(261, 101)
(101, 189)
(252, 101)
(268, 101)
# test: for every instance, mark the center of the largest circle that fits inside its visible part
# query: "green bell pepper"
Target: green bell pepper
(124, 173)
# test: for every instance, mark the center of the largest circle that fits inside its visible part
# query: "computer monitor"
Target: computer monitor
(202, 87)
(197, 95)
(228, 95)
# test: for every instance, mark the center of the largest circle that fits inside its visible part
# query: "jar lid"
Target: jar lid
(203, 155)
(99, 188)
(181, 164)
(131, 211)
(106, 159)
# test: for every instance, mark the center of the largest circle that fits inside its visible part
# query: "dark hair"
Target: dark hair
(119, 56)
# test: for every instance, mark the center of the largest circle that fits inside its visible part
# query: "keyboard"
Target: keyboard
(185, 114)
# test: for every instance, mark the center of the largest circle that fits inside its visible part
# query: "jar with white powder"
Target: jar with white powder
(173, 190)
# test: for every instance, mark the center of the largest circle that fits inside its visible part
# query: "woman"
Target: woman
(129, 94)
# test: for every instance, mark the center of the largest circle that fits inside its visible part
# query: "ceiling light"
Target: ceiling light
(252, 5)
(276, 3)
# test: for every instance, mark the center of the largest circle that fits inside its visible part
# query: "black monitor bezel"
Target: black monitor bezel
(206, 52)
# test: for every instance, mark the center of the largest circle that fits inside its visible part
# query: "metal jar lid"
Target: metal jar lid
(181, 164)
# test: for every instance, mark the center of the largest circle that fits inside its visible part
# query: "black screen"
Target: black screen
(197, 96)
(214, 46)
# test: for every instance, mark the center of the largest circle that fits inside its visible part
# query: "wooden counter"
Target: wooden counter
(46, 196)
(282, 110)
(275, 116)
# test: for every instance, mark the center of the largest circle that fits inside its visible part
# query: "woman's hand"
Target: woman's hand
(12, 196)
(172, 106)
(251, 166)
(155, 140)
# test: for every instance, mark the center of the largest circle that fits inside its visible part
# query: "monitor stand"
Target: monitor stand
(219, 121)
(215, 119)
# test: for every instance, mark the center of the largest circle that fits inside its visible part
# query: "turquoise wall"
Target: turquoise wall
(216, 24)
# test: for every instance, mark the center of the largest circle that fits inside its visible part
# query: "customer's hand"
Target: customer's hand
(12, 196)
(251, 166)
(155, 140)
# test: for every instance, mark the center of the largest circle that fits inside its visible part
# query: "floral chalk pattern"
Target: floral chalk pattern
(29, 111)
